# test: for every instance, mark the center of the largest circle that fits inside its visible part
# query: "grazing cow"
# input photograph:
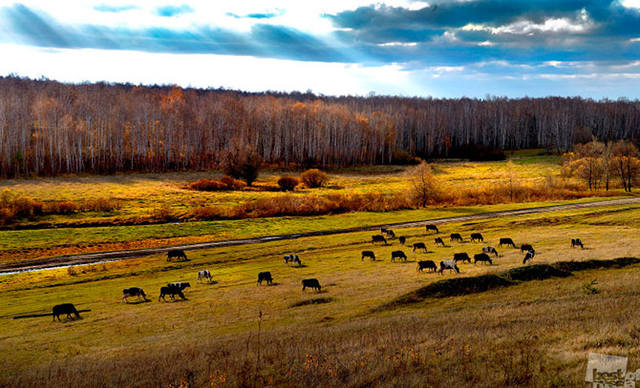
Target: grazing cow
(292, 259)
(438, 241)
(526, 247)
(391, 234)
(456, 237)
(266, 276)
(420, 246)
(65, 308)
(477, 237)
(179, 285)
(398, 255)
(172, 291)
(311, 283)
(461, 257)
(383, 230)
(528, 256)
(204, 274)
(432, 228)
(427, 264)
(450, 265)
(490, 250)
(576, 242)
(131, 292)
(482, 257)
(378, 238)
(402, 240)
(177, 254)
(368, 254)
(507, 241)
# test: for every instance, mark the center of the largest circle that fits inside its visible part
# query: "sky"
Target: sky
(439, 48)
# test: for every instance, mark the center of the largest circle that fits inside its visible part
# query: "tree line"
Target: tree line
(49, 128)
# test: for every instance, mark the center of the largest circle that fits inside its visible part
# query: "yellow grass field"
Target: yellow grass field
(234, 333)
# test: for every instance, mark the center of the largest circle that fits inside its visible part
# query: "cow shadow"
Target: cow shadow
(298, 266)
(139, 301)
(211, 283)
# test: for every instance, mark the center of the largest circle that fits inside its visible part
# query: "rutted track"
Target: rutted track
(89, 258)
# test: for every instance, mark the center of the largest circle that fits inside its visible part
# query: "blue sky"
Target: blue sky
(442, 48)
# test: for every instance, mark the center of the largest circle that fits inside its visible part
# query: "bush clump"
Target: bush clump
(314, 178)
(288, 183)
(222, 184)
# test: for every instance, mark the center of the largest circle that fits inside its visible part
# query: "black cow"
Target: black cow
(420, 246)
(179, 285)
(295, 259)
(383, 230)
(266, 276)
(399, 255)
(482, 257)
(177, 254)
(368, 254)
(432, 228)
(172, 291)
(131, 292)
(378, 238)
(391, 234)
(526, 247)
(402, 240)
(450, 265)
(438, 241)
(575, 242)
(427, 264)
(507, 241)
(456, 237)
(528, 256)
(490, 250)
(477, 237)
(65, 308)
(311, 283)
(461, 257)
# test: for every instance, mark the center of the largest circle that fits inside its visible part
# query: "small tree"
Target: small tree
(512, 179)
(288, 183)
(626, 163)
(424, 184)
(242, 161)
(314, 178)
(587, 161)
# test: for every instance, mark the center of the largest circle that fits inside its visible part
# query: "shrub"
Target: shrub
(314, 178)
(64, 207)
(288, 183)
(225, 183)
(14, 206)
(100, 205)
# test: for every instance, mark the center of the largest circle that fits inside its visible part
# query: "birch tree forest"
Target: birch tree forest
(49, 128)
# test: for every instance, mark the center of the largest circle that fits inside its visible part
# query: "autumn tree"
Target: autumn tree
(424, 186)
(626, 163)
(587, 161)
(242, 161)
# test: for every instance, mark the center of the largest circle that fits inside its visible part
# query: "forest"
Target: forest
(51, 128)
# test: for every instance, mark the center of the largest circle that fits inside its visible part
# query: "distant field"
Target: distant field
(141, 194)
(538, 333)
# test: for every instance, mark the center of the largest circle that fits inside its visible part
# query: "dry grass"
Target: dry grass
(537, 333)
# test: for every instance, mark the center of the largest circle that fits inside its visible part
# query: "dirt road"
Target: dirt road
(89, 258)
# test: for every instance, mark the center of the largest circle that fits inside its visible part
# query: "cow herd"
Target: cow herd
(173, 290)
(483, 257)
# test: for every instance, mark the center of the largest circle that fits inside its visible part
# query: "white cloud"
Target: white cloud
(398, 44)
(630, 3)
(581, 24)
